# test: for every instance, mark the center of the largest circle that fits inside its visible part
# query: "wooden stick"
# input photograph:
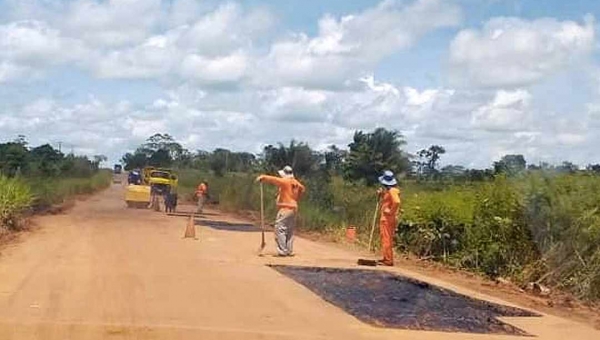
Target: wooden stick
(373, 225)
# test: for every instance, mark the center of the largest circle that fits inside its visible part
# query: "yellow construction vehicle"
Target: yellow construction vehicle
(147, 191)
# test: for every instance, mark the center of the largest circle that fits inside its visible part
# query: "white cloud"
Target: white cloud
(226, 29)
(10, 71)
(210, 50)
(111, 23)
(152, 59)
(33, 43)
(231, 80)
(346, 48)
(507, 111)
(516, 52)
(226, 69)
(294, 104)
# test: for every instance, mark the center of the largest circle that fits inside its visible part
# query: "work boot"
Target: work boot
(385, 263)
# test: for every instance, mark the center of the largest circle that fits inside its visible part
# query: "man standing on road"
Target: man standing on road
(390, 204)
(201, 195)
(290, 191)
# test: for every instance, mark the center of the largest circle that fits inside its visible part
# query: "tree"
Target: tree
(542, 166)
(567, 167)
(429, 158)
(593, 168)
(136, 160)
(298, 155)
(165, 142)
(13, 158)
(510, 165)
(46, 160)
(371, 153)
(334, 159)
(218, 161)
(160, 158)
(477, 175)
(98, 159)
(453, 172)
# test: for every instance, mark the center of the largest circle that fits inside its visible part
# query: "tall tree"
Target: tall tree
(429, 159)
(219, 160)
(136, 160)
(13, 158)
(334, 159)
(46, 160)
(98, 159)
(298, 155)
(371, 153)
(567, 167)
(510, 165)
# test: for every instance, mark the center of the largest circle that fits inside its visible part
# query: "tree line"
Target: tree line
(17, 158)
(366, 156)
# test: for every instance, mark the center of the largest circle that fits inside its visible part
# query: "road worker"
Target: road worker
(290, 191)
(201, 195)
(390, 204)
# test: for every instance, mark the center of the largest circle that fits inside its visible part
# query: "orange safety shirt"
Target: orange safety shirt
(202, 189)
(390, 202)
(290, 190)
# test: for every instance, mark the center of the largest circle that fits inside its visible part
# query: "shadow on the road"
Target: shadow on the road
(385, 299)
(228, 226)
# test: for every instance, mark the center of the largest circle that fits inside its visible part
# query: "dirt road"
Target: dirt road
(102, 271)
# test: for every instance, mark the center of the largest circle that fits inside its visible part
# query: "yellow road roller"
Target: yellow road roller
(146, 189)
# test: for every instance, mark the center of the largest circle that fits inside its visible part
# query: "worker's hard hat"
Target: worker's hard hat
(286, 172)
(388, 178)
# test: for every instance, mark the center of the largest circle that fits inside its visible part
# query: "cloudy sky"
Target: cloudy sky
(482, 78)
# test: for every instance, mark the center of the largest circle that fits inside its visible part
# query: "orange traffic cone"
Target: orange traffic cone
(190, 230)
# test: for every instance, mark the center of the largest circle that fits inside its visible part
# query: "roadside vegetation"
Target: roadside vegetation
(33, 179)
(528, 223)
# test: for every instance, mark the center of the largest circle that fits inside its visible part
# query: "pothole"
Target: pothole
(388, 300)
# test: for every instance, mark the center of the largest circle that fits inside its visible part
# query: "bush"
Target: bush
(47, 192)
(15, 199)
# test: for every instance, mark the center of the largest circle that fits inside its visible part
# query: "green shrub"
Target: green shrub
(15, 199)
(536, 227)
(47, 192)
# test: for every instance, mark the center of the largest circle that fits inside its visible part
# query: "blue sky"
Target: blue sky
(483, 78)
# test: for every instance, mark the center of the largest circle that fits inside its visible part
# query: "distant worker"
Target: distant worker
(290, 191)
(134, 177)
(170, 201)
(390, 204)
(201, 195)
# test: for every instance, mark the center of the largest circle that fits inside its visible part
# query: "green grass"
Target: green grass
(47, 192)
(15, 199)
(20, 195)
(538, 226)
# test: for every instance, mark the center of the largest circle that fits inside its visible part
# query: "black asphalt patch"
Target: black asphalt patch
(388, 300)
(220, 225)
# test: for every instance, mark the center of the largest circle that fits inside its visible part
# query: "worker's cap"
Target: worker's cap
(388, 178)
(286, 172)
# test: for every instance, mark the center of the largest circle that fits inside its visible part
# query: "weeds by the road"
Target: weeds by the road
(15, 199)
(539, 227)
(20, 195)
(48, 192)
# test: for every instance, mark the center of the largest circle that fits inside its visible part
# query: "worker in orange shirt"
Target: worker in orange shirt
(390, 204)
(290, 191)
(201, 194)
